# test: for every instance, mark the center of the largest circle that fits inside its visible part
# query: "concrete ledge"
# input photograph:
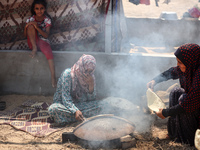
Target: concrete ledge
(117, 74)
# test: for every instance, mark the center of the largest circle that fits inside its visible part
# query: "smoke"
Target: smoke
(161, 33)
(122, 78)
(125, 76)
(124, 84)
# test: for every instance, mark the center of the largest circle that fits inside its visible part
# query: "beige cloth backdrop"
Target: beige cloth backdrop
(78, 25)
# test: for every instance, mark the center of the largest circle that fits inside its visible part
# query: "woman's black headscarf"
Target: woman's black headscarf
(189, 55)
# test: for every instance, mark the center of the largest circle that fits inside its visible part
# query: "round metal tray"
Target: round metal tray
(104, 127)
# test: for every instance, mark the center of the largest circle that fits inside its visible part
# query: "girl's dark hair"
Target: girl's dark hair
(42, 2)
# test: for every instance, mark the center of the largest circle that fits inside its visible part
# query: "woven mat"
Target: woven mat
(31, 117)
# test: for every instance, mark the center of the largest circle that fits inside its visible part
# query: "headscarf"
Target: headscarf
(78, 71)
(189, 55)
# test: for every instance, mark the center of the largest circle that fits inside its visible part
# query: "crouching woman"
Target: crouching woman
(75, 95)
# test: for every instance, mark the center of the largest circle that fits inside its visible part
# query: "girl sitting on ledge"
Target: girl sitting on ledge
(37, 30)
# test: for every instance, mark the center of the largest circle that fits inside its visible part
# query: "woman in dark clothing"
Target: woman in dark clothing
(184, 102)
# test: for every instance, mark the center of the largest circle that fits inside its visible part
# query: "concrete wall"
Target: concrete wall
(123, 75)
(157, 32)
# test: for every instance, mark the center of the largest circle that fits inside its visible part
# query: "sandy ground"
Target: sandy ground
(152, 139)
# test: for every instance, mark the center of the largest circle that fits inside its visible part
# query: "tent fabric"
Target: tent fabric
(78, 25)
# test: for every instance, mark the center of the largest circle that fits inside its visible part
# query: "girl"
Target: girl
(37, 30)
(184, 102)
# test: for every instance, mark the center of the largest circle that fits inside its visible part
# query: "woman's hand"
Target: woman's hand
(79, 115)
(90, 81)
(151, 84)
(159, 114)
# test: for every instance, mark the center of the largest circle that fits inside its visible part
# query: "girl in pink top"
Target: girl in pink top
(37, 30)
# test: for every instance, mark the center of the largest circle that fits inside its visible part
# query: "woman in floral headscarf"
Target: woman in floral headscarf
(184, 102)
(76, 92)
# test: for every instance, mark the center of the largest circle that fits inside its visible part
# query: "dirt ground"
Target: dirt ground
(152, 139)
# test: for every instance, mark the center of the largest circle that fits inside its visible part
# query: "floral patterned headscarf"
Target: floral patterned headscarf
(78, 71)
(189, 55)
